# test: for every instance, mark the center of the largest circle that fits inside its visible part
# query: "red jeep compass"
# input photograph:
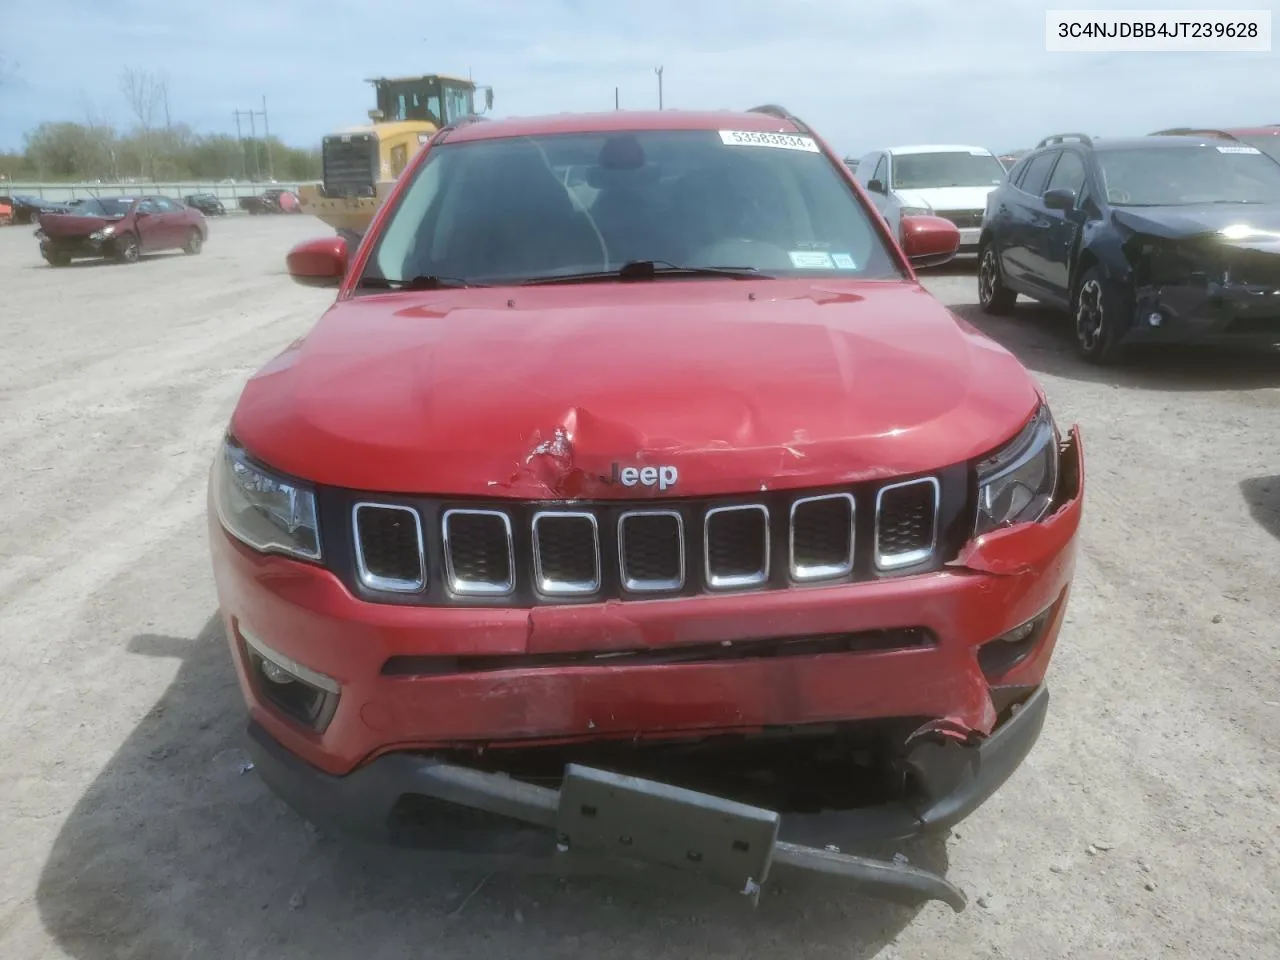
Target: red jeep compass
(633, 499)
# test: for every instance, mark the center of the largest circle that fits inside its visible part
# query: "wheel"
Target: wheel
(993, 296)
(1098, 308)
(127, 248)
(194, 244)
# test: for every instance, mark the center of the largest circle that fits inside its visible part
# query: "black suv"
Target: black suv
(1155, 238)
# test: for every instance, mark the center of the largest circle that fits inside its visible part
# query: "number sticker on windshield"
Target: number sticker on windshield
(1239, 149)
(785, 141)
(811, 260)
(843, 261)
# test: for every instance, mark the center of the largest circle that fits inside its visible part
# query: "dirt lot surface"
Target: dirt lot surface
(1145, 824)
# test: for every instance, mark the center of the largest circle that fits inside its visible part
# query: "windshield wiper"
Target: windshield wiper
(420, 282)
(651, 270)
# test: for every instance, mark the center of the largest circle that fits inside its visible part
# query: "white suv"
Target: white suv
(946, 181)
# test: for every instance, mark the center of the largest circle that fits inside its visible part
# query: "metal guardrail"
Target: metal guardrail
(61, 192)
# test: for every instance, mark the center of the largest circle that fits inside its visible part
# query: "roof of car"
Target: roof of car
(936, 148)
(1149, 142)
(620, 120)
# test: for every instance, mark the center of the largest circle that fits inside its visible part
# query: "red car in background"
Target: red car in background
(120, 228)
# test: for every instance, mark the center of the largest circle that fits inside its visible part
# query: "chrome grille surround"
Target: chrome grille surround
(650, 584)
(734, 580)
(477, 587)
(376, 581)
(806, 573)
(552, 586)
(893, 560)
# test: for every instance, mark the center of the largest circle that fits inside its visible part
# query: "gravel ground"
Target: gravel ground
(1145, 823)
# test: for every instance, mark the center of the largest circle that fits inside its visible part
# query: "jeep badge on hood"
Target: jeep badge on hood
(661, 477)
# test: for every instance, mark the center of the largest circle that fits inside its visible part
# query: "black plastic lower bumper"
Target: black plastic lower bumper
(599, 814)
(1206, 315)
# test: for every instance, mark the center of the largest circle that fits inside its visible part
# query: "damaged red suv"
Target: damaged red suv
(633, 499)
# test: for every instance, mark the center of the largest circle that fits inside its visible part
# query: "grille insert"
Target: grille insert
(906, 523)
(389, 547)
(478, 553)
(566, 553)
(822, 537)
(736, 546)
(651, 550)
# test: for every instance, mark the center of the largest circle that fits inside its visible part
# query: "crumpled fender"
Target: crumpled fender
(1035, 548)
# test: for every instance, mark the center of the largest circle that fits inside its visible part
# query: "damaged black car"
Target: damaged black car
(1142, 240)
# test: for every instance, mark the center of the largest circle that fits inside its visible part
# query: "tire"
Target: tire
(993, 296)
(194, 244)
(126, 247)
(56, 259)
(1097, 311)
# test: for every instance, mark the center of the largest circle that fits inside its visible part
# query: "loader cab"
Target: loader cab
(434, 99)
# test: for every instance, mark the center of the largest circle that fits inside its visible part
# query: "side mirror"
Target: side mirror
(876, 186)
(139, 214)
(929, 241)
(318, 263)
(1060, 198)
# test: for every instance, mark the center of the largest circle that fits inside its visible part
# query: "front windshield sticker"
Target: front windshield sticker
(786, 141)
(811, 260)
(843, 261)
(1240, 149)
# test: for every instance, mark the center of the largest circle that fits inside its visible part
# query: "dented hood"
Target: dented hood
(1178, 222)
(70, 225)
(544, 391)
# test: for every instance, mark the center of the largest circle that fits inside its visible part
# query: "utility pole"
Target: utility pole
(616, 102)
(658, 71)
(252, 116)
(244, 161)
(266, 135)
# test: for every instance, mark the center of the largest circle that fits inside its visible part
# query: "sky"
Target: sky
(864, 74)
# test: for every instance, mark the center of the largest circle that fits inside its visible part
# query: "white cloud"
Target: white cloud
(863, 73)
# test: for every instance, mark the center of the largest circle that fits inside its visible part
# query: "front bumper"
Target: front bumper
(385, 732)
(645, 816)
(76, 248)
(1206, 314)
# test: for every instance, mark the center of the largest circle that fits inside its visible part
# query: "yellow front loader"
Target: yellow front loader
(359, 165)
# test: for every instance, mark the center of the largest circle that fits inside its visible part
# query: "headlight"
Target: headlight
(102, 234)
(266, 511)
(1016, 484)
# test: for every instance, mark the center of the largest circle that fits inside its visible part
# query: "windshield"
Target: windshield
(1195, 174)
(1270, 145)
(951, 168)
(517, 209)
(104, 207)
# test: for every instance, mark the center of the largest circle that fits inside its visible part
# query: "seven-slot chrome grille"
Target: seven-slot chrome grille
(518, 553)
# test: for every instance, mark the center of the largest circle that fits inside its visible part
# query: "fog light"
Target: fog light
(297, 691)
(999, 656)
(276, 673)
(1155, 319)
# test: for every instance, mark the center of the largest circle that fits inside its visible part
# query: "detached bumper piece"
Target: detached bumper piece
(598, 815)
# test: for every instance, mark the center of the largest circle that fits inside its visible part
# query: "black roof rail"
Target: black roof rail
(1064, 137)
(1191, 132)
(782, 113)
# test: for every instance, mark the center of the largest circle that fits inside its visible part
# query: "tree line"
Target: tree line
(155, 148)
